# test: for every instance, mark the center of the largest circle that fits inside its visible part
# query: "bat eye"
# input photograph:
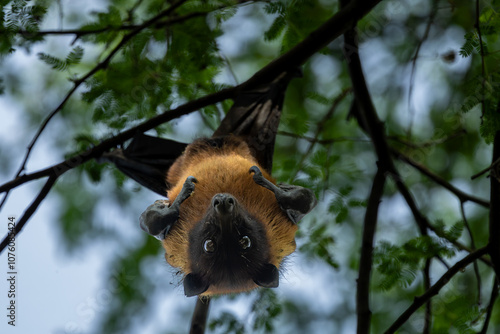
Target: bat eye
(245, 242)
(209, 246)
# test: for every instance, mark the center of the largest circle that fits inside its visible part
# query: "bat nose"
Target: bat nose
(223, 203)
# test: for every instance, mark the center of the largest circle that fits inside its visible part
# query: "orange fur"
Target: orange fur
(224, 170)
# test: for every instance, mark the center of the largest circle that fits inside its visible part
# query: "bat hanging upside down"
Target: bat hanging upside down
(226, 225)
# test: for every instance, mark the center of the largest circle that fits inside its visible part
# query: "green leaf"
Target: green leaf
(75, 56)
(55, 63)
(275, 29)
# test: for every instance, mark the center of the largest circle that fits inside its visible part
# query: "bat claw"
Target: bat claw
(191, 179)
(255, 170)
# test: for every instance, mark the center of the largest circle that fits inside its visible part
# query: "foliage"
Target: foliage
(130, 60)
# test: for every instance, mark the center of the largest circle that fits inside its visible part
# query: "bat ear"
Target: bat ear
(268, 276)
(194, 285)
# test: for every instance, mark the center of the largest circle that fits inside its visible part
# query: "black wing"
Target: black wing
(147, 160)
(255, 115)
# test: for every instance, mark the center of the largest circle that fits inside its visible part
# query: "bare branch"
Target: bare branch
(432, 15)
(434, 290)
(462, 196)
(494, 224)
(483, 70)
(427, 143)
(83, 32)
(319, 129)
(493, 298)
(473, 246)
(322, 141)
(29, 211)
(487, 169)
(428, 305)
(365, 261)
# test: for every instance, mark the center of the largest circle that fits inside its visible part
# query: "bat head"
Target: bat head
(228, 250)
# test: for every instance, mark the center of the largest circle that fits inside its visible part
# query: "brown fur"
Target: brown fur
(223, 169)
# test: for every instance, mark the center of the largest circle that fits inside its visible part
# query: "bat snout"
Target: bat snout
(223, 203)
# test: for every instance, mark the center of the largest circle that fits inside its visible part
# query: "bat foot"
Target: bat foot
(295, 201)
(160, 217)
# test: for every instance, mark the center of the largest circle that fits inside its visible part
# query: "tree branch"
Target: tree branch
(29, 211)
(432, 16)
(365, 262)
(494, 224)
(483, 69)
(462, 196)
(318, 39)
(199, 319)
(323, 141)
(83, 32)
(473, 246)
(319, 130)
(493, 297)
(434, 290)
(368, 119)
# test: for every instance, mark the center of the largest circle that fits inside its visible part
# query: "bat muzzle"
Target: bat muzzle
(224, 204)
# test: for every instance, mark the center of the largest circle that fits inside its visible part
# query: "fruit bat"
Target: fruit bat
(227, 225)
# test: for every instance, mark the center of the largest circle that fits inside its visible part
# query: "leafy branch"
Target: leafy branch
(100, 66)
(434, 290)
(327, 32)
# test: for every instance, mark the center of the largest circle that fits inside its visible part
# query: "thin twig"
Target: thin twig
(322, 141)
(432, 15)
(493, 297)
(487, 169)
(29, 211)
(483, 69)
(428, 305)
(473, 246)
(319, 130)
(129, 27)
(462, 196)
(428, 143)
(494, 223)
(434, 290)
